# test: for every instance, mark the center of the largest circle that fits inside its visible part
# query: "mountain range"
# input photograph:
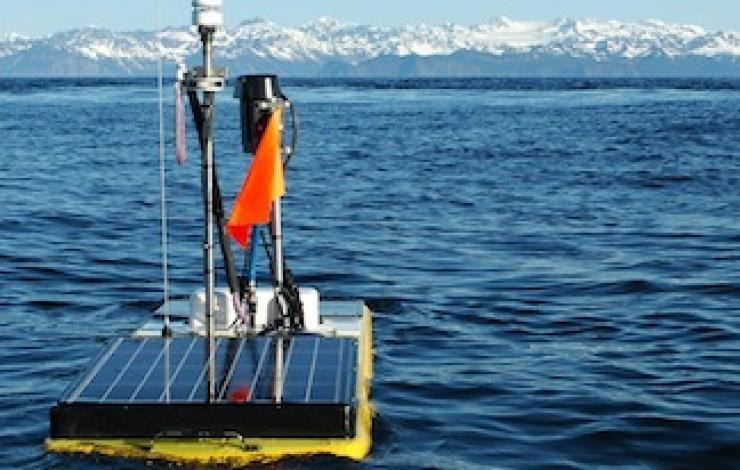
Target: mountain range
(327, 47)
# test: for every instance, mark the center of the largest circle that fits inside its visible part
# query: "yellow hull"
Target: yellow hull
(236, 451)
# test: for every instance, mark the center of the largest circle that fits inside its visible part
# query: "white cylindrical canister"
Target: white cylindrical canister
(208, 13)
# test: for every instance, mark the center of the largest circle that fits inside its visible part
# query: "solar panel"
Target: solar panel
(155, 370)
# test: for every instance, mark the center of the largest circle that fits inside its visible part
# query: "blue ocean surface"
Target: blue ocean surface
(554, 265)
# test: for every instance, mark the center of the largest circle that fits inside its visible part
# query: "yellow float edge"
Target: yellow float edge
(236, 451)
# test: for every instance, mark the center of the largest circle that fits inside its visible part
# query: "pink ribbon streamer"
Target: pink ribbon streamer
(181, 151)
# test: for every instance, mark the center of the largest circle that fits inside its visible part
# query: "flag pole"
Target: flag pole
(277, 243)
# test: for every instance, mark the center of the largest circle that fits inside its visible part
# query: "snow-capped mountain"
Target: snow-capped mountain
(326, 46)
(10, 43)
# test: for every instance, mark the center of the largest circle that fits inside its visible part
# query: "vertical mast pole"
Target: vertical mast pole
(208, 245)
(277, 243)
(208, 17)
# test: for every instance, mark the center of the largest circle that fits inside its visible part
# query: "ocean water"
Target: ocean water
(554, 265)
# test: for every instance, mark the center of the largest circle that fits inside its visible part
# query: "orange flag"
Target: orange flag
(264, 184)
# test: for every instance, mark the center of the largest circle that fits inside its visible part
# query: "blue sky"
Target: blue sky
(38, 17)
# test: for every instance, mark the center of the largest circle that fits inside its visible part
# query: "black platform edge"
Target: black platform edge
(149, 421)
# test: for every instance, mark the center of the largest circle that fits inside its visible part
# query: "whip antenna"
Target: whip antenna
(166, 331)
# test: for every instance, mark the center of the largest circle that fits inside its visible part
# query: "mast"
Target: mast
(206, 34)
(277, 243)
(208, 17)
(262, 106)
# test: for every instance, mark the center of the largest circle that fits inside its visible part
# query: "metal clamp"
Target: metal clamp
(195, 79)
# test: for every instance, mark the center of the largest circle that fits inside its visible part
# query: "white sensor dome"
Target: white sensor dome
(208, 13)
